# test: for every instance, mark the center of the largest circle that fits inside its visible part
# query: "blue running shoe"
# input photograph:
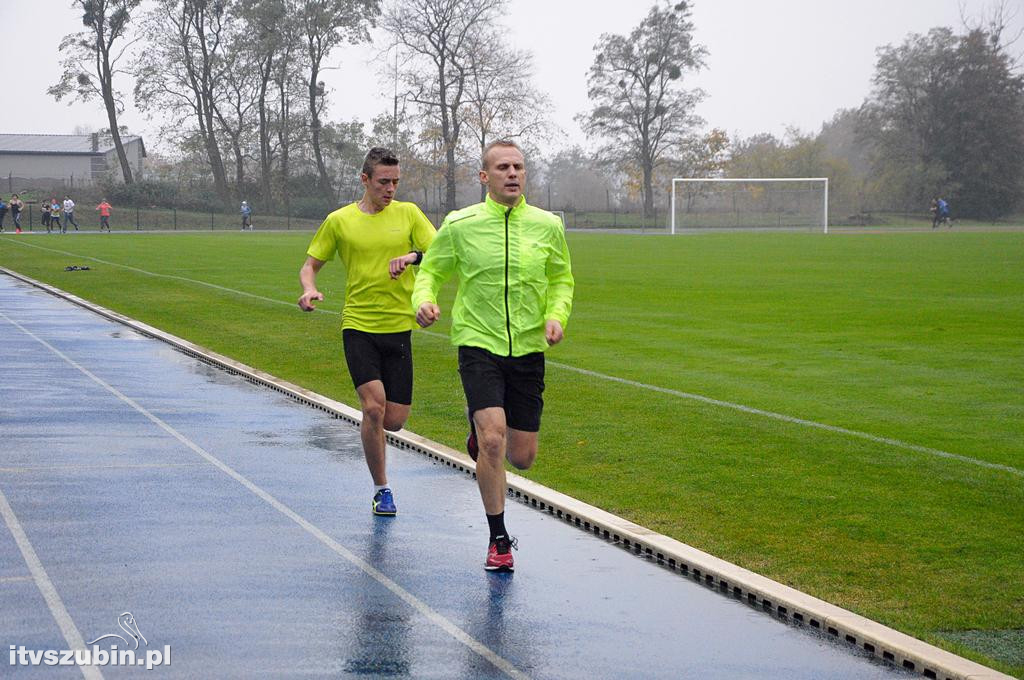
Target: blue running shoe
(384, 503)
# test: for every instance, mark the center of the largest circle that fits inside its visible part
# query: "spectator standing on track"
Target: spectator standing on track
(69, 213)
(377, 239)
(246, 216)
(104, 209)
(17, 205)
(44, 211)
(514, 298)
(3, 214)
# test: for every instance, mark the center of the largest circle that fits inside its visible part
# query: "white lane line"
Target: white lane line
(422, 607)
(50, 595)
(889, 441)
(16, 579)
(112, 466)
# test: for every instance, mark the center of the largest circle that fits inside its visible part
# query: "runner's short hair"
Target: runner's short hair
(378, 156)
(497, 142)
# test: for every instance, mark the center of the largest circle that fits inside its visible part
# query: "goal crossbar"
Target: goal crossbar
(747, 180)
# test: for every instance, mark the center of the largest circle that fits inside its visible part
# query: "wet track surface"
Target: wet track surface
(234, 524)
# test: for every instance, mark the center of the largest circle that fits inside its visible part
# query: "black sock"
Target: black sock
(497, 525)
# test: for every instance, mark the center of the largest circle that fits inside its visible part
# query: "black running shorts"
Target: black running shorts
(513, 383)
(381, 356)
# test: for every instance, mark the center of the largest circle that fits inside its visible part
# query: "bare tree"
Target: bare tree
(268, 32)
(181, 72)
(91, 62)
(288, 113)
(635, 83)
(438, 35)
(500, 101)
(238, 101)
(326, 24)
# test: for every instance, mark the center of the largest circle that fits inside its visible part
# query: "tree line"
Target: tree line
(237, 86)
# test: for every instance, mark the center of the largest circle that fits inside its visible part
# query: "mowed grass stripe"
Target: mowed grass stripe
(602, 376)
(910, 336)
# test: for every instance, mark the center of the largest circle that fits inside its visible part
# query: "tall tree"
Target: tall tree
(946, 116)
(265, 25)
(437, 35)
(181, 73)
(500, 101)
(237, 104)
(326, 24)
(641, 109)
(91, 62)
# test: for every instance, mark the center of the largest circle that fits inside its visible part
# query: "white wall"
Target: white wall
(34, 166)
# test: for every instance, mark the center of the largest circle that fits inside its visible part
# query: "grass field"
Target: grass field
(913, 343)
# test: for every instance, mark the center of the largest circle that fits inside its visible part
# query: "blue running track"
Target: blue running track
(234, 524)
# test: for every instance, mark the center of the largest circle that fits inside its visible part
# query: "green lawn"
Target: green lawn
(913, 337)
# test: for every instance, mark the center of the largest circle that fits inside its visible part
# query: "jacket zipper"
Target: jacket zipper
(508, 315)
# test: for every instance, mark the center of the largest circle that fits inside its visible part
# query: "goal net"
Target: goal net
(792, 203)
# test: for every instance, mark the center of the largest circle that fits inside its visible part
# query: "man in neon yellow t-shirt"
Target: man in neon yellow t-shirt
(377, 239)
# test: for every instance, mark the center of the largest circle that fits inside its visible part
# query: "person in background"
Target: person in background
(246, 211)
(3, 214)
(17, 205)
(55, 216)
(104, 209)
(944, 212)
(69, 213)
(44, 210)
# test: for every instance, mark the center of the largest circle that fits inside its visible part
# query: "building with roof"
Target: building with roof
(71, 160)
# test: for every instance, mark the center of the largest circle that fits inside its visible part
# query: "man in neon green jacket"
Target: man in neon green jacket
(513, 301)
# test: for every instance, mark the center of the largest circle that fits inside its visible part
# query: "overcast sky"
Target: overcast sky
(772, 63)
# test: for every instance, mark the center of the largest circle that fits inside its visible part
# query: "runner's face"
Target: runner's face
(380, 189)
(504, 174)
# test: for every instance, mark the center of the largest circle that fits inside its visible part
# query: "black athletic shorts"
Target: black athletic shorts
(513, 383)
(381, 356)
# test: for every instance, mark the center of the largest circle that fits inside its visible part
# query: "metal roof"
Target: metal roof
(57, 144)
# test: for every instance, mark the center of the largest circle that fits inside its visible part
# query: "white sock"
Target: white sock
(380, 487)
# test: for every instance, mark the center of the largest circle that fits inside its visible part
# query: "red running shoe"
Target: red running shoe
(499, 554)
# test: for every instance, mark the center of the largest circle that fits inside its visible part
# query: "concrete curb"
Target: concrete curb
(762, 593)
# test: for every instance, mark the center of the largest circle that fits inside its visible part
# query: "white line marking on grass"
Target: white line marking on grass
(162, 276)
(419, 605)
(60, 613)
(794, 420)
(634, 383)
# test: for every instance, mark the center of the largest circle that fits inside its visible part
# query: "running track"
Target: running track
(234, 524)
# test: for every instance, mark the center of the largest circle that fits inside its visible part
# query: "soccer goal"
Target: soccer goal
(561, 214)
(792, 203)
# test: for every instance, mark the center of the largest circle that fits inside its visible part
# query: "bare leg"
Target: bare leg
(490, 463)
(497, 442)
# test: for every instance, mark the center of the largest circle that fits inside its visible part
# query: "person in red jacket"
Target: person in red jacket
(104, 209)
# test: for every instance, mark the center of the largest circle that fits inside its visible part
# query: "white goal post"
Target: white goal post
(749, 203)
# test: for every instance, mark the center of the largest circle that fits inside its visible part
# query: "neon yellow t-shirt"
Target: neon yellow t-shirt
(374, 303)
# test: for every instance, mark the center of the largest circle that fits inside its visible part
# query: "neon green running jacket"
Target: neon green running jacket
(514, 274)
